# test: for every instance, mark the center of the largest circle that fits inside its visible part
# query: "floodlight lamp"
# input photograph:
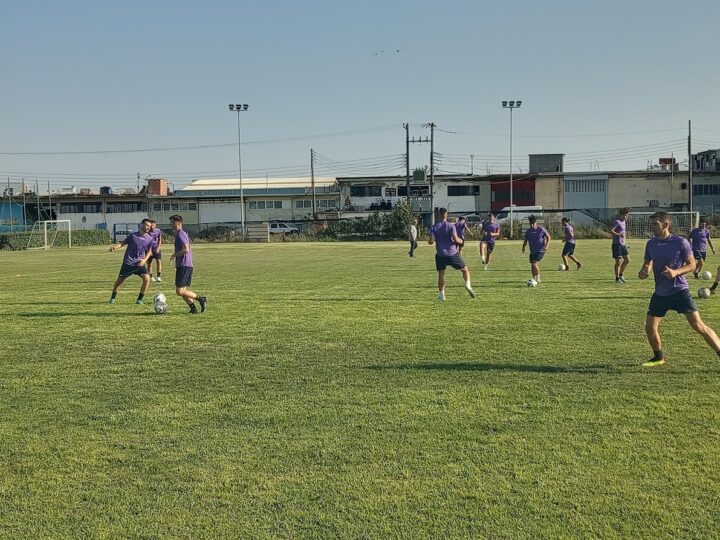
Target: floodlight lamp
(245, 106)
(231, 106)
(512, 103)
(518, 103)
(504, 103)
(238, 107)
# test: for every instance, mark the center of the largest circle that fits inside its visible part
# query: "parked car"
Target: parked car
(283, 228)
(519, 213)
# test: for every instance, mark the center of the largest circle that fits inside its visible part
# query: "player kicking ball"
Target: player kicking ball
(446, 241)
(539, 240)
(670, 258)
(137, 253)
(700, 240)
(184, 266)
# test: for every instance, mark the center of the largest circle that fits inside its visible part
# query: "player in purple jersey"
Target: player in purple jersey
(539, 240)
(184, 266)
(619, 249)
(700, 240)
(490, 232)
(135, 260)
(461, 228)
(670, 258)
(445, 237)
(156, 255)
(568, 251)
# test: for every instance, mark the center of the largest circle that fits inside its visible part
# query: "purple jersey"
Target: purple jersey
(460, 229)
(536, 238)
(699, 238)
(137, 247)
(156, 233)
(569, 233)
(672, 252)
(442, 233)
(182, 238)
(488, 228)
(619, 227)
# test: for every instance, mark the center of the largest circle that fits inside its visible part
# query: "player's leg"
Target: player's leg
(468, 286)
(652, 330)
(483, 253)
(717, 279)
(617, 269)
(704, 330)
(441, 284)
(577, 262)
(143, 288)
(534, 270)
(623, 266)
(158, 261)
(116, 287)
(566, 266)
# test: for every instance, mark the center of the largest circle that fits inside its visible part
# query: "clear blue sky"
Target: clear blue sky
(98, 75)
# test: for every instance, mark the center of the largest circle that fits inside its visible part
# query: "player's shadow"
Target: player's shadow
(485, 366)
(609, 297)
(52, 314)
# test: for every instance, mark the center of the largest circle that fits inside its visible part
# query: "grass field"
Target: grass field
(326, 393)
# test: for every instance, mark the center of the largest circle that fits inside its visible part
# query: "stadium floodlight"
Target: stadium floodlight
(238, 107)
(514, 104)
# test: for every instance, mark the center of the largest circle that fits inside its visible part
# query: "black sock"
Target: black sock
(140, 296)
(714, 286)
(113, 295)
(193, 309)
(659, 355)
(158, 274)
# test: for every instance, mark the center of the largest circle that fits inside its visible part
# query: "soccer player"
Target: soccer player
(568, 251)
(539, 239)
(670, 258)
(156, 246)
(490, 231)
(135, 260)
(700, 240)
(412, 237)
(184, 266)
(461, 228)
(445, 237)
(619, 249)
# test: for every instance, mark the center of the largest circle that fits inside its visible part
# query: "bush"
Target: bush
(91, 237)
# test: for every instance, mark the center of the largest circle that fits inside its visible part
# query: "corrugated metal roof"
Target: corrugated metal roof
(208, 184)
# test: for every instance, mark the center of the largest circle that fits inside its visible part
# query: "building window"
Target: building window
(126, 208)
(391, 192)
(157, 207)
(365, 191)
(166, 206)
(463, 191)
(192, 206)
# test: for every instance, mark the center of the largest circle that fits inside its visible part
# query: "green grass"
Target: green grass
(326, 393)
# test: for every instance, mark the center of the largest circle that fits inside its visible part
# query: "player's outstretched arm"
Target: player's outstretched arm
(711, 246)
(117, 246)
(645, 270)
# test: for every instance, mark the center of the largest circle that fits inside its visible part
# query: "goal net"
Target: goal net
(638, 223)
(50, 233)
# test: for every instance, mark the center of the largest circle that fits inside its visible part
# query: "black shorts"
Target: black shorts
(619, 251)
(568, 249)
(127, 270)
(536, 257)
(442, 262)
(490, 246)
(682, 302)
(700, 255)
(156, 255)
(183, 276)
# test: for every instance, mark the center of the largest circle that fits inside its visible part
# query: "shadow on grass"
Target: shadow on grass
(610, 297)
(41, 314)
(484, 366)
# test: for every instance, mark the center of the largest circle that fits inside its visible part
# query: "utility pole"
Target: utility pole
(432, 172)
(312, 181)
(407, 161)
(37, 198)
(421, 140)
(472, 163)
(690, 168)
(49, 202)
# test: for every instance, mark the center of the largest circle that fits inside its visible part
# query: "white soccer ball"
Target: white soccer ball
(159, 297)
(531, 283)
(561, 268)
(704, 293)
(160, 308)
(706, 275)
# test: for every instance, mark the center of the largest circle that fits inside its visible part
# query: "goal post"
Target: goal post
(638, 223)
(50, 233)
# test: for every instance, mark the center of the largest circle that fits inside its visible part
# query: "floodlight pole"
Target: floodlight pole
(511, 105)
(239, 108)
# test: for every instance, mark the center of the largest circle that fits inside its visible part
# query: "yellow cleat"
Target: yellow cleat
(652, 363)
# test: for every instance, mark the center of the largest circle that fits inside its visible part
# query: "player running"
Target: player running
(461, 228)
(135, 260)
(490, 231)
(539, 240)
(568, 251)
(619, 249)
(670, 258)
(156, 234)
(184, 266)
(700, 240)
(445, 237)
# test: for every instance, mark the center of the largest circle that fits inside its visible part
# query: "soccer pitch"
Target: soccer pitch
(327, 393)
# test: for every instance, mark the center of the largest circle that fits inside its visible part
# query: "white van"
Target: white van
(519, 213)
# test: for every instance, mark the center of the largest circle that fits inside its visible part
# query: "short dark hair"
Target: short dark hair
(461, 218)
(176, 217)
(147, 219)
(532, 219)
(624, 211)
(565, 220)
(662, 216)
(442, 211)
(703, 220)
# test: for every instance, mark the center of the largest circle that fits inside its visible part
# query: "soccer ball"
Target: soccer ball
(561, 268)
(706, 275)
(160, 308)
(704, 293)
(531, 283)
(159, 297)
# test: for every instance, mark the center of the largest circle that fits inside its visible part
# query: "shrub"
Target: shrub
(90, 237)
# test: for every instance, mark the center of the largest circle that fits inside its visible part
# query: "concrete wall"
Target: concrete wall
(639, 189)
(79, 221)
